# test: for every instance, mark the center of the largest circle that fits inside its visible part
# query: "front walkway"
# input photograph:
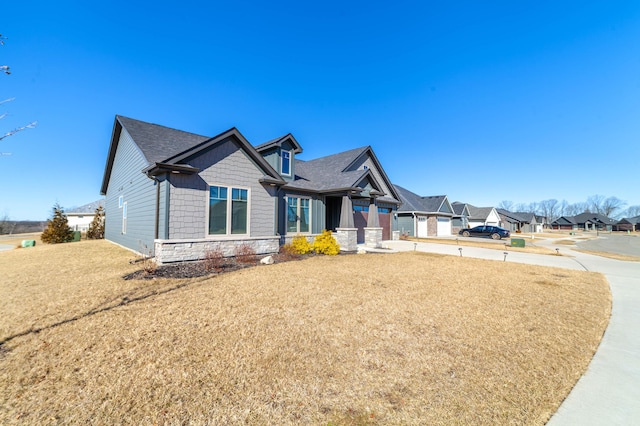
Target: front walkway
(609, 391)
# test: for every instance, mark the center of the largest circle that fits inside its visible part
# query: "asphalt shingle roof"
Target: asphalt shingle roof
(596, 217)
(88, 208)
(158, 143)
(412, 202)
(479, 212)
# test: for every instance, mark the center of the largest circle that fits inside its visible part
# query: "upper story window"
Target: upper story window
(285, 167)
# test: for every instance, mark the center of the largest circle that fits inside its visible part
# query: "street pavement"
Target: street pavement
(609, 391)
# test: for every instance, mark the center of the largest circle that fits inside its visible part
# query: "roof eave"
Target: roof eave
(271, 181)
(158, 169)
(113, 145)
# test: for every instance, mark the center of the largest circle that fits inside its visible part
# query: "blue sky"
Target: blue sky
(481, 101)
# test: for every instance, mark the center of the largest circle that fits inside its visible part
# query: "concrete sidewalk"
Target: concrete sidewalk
(609, 391)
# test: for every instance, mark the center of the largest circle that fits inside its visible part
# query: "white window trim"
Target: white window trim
(298, 215)
(228, 234)
(120, 200)
(282, 162)
(124, 217)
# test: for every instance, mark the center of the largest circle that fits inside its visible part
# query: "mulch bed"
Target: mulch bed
(197, 269)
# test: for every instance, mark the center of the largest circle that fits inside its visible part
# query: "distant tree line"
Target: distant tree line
(552, 209)
(8, 226)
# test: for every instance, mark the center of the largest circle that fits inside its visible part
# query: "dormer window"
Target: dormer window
(285, 167)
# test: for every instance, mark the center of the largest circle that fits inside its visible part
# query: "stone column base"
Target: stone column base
(373, 237)
(347, 238)
(396, 235)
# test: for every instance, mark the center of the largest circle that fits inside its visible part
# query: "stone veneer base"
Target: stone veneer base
(347, 238)
(169, 251)
(373, 237)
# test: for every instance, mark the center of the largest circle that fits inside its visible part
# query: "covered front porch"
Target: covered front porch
(359, 219)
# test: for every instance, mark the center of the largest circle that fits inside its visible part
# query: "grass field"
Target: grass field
(407, 338)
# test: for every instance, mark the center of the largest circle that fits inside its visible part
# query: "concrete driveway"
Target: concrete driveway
(6, 247)
(609, 391)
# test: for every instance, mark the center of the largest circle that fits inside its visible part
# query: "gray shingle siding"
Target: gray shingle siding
(227, 165)
(163, 205)
(367, 161)
(138, 192)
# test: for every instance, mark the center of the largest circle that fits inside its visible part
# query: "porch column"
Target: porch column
(373, 220)
(373, 231)
(347, 233)
(346, 213)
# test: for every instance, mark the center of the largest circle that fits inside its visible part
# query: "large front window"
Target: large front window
(298, 215)
(228, 217)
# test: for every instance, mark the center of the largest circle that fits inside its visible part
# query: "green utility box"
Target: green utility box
(28, 243)
(517, 242)
(76, 236)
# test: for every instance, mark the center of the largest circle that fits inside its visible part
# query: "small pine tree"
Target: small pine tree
(57, 230)
(96, 227)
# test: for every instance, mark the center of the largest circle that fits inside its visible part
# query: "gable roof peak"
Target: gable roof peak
(297, 148)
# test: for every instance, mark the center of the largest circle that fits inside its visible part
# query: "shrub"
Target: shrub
(287, 253)
(300, 245)
(149, 264)
(57, 230)
(96, 227)
(326, 244)
(245, 253)
(213, 260)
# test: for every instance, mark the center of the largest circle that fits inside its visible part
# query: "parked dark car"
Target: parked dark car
(494, 232)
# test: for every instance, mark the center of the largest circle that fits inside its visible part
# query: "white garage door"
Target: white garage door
(422, 227)
(444, 226)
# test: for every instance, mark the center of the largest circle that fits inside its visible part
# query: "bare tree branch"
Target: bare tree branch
(19, 129)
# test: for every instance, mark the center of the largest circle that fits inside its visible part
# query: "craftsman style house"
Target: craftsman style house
(521, 221)
(584, 221)
(177, 195)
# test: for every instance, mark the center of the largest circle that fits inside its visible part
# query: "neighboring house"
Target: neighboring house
(178, 195)
(584, 221)
(521, 221)
(483, 216)
(460, 219)
(81, 217)
(424, 216)
(628, 224)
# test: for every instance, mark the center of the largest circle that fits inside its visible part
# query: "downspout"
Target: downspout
(157, 230)
(276, 223)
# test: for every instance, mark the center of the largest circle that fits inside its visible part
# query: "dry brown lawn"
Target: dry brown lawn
(407, 338)
(610, 255)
